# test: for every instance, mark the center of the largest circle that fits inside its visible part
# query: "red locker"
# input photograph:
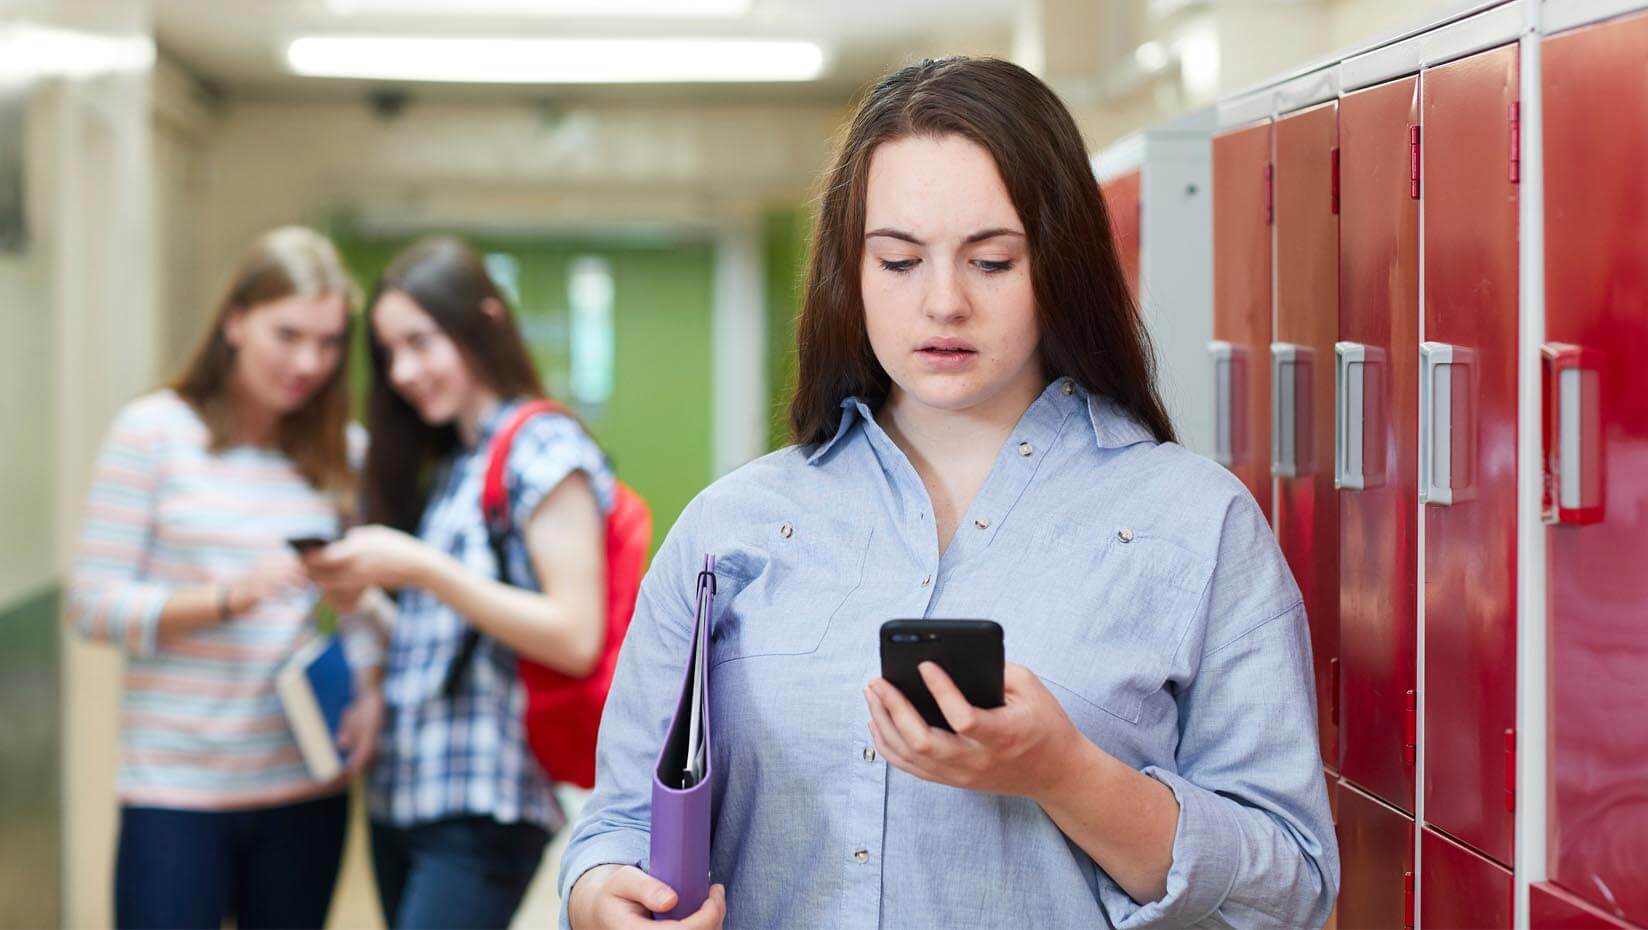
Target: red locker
(1376, 863)
(1459, 889)
(1121, 201)
(1595, 85)
(1376, 362)
(1241, 305)
(1307, 323)
(1551, 908)
(1467, 447)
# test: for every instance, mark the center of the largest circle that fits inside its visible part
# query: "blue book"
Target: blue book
(315, 686)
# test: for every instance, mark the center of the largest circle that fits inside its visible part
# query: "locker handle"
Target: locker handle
(1358, 384)
(1447, 402)
(1226, 371)
(1290, 445)
(1574, 480)
(1407, 901)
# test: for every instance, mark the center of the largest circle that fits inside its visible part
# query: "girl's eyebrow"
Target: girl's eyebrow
(980, 236)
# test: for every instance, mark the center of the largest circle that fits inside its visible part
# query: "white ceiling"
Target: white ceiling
(238, 44)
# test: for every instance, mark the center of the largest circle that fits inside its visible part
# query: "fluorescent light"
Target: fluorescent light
(29, 51)
(1199, 64)
(671, 9)
(554, 61)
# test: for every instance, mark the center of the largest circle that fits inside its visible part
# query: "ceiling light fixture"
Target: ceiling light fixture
(603, 9)
(554, 61)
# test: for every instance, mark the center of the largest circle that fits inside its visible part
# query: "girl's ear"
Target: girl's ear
(494, 308)
(234, 327)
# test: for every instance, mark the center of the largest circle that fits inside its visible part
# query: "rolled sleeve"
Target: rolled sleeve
(1254, 846)
(1207, 846)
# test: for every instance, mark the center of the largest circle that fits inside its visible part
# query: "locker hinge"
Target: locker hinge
(1410, 729)
(1270, 193)
(1407, 901)
(1516, 142)
(1510, 771)
(1335, 194)
(1333, 682)
(1413, 162)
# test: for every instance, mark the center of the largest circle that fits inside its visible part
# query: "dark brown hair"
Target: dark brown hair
(1090, 326)
(288, 262)
(449, 282)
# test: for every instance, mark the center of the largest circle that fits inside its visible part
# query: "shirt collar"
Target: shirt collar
(492, 422)
(1113, 427)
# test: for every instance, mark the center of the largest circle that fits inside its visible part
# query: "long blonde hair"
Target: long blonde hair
(292, 261)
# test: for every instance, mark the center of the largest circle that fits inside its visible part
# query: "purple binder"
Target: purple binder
(681, 781)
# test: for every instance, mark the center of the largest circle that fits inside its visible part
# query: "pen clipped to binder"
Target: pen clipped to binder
(681, 780)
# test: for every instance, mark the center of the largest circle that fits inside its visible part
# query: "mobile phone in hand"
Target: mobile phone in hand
(969, 651)
(304, 545)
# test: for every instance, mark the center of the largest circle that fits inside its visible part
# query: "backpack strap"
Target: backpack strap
(495, 514)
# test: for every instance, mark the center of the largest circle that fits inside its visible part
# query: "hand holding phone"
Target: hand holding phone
(969, 651)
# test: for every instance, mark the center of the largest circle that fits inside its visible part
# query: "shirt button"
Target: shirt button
(1069, 386)
(869, 754)
(982, 523)
(927, 581)
(1025, 449)
(861, 856)
(786, 531)
(1125, 535)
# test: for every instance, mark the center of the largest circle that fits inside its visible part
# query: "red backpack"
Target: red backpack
(563, 714)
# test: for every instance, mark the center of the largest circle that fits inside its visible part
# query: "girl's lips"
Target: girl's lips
(946, 359)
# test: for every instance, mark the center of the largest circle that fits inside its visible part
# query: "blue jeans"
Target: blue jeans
(266, 867)
(459, 872)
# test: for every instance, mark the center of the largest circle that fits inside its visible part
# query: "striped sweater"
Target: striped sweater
(201, 725)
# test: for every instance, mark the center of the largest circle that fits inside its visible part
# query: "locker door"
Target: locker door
(1377, 359)
(1121, 201)
(1595, 84)
(1376, 863)
(1241, 306)
(1551, 908)
(1307, 322)
(1461, 890)
(1467, 440)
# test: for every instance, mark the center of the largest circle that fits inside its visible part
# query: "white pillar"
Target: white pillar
(739, 350)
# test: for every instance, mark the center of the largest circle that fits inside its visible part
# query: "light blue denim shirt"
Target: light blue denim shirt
(1138, 580)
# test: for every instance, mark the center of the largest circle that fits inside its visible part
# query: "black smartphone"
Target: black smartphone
(307, 544)
(969, 651)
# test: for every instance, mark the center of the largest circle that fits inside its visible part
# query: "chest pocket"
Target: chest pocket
(782, 583)
(1108, 615)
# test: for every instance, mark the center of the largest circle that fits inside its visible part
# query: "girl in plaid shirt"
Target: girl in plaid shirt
(461, 812)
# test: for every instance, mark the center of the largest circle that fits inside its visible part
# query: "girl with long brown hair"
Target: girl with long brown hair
(461, 812)
(184, 567)
(978, 435)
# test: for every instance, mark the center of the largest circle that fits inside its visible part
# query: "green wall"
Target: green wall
(784, 236)
(31, 755)
(657, 427)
